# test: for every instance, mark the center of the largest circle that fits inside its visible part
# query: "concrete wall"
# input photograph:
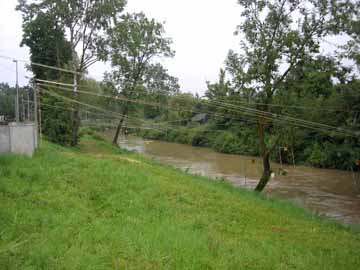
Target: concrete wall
(18, 138)
(4, 139)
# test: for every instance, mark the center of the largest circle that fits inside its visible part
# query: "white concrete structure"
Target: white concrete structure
(18, 138)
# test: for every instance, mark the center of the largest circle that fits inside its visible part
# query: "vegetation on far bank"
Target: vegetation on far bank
(242, 140)
(98, 207)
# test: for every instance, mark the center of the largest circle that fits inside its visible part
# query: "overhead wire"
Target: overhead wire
(122, 98)
(41, 65)
(181, 96)
(91, 106)
(293, 119)
(262, 116)
(114, 117)
(251, 112)
(245, 110)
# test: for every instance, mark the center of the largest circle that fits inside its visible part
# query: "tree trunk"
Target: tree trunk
(119, 127)
(266, 173)
(265, 153)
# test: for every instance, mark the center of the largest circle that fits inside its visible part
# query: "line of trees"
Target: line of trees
(76, 34)
(280, 71)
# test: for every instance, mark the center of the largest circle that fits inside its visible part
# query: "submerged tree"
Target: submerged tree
(133, 44)
(277, 35)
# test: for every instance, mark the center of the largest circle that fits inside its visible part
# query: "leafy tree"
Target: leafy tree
(277, 35)
(7, 101)
(46, 40)
(220, 89)
(133, 44)
(84, 21)
(158, 87)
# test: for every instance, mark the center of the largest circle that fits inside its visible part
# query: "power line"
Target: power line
(169, 94)
(296, 120)
(91, 106)
(254, 111)
(113, 117)
(53, 82)
(42, 65)
(264, 115)
(118, 98)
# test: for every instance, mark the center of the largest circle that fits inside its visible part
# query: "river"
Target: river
(331, 193)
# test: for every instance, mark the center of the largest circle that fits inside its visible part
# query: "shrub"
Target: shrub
(315, 155)
(57, 124)
(152, 134)
(227, 142)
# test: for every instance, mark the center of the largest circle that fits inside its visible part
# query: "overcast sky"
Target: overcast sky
(202, 32)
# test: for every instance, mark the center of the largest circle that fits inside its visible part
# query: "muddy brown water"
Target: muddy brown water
(332, 193)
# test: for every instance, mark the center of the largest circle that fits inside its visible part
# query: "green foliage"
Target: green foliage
(316, 155)
(46, 40)
(151, 134)
(227, 142)
(158, 86)
(331, 155)
(200, 137)
(47, 44)
(83, 21)
(7, 101)
(132, 44)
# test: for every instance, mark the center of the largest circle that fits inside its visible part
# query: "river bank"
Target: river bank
(331, 193)
(242, 141)
(100, 207)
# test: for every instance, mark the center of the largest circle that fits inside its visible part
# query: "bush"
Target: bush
(316, 155)
(227, 142)
(57, 124)
(86, 131)
(200, 139)
(151, 134)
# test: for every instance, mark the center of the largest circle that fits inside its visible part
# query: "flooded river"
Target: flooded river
(332, 193)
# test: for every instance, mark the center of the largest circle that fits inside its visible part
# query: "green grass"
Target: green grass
(96, 207)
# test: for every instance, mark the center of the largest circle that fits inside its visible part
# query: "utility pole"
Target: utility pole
(28, 104)
(35, 105)
(23, 107)
(39, 120)
(17, 94)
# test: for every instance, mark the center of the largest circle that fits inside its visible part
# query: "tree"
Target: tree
(158, 87)
(46, 40)
(220, 89)
(85, 22)
(277, 35)
(7, 101)
(133, 44)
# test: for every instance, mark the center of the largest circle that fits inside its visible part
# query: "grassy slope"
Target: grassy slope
(96, 208)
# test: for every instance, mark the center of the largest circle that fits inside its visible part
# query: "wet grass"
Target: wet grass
(97, 207)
